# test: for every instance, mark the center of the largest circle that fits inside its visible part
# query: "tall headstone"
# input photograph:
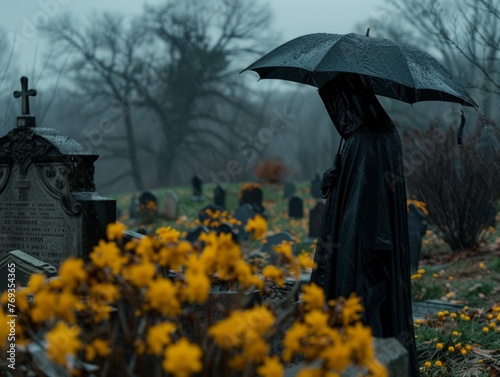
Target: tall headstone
(170, 207)
(289, 189)
(220, 196)
(49, 207)
(316, 187)
(416, 231)
(197, 184)
(243, 213)
(296, 208)
(275, 240)
(254, 196)
(315, 216)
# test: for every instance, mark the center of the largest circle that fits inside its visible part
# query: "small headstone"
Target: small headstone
(22, 266)
(315, 216)
(243, 213)
(170, 207)
(197, 184)
(316, 187)
(146, 198)
(253, 196)
(289, 190)
(205, 212)
(48, 201)
(228, 229)
(220, 196)
(275, 240)
(193, 235)
(296, 208)
(416, 231)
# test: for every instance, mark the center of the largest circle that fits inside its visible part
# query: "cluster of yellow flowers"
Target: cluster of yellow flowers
(213, 219)
(420, 205)
(146, 290)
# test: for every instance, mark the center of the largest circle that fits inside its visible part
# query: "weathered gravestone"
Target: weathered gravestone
(315, 216)
(275, 240)
(197, 184)
(21, 266)
(289, 190)
(416, 230)
(49, 207)
(243, 213)
(316, 187)
(253, 196)
(296, 207)
(170, 207)
(220, 196)
(147, 199)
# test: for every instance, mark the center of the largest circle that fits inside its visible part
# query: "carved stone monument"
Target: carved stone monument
(49, 207)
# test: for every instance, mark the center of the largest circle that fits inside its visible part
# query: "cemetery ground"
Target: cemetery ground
(462, 336)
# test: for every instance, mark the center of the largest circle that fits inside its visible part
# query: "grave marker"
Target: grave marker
(296, 208)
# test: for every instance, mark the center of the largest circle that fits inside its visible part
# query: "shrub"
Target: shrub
(271, 171)
(459, 184)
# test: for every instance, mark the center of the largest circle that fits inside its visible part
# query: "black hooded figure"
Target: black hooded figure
(363, 245)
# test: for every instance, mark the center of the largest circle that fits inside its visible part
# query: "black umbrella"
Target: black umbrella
(396, 71)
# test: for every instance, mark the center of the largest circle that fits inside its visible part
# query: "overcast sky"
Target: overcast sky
(292, 18)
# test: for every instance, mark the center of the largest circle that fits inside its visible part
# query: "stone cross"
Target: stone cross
(25, 93)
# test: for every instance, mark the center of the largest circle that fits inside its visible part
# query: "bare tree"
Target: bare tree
(179, 63)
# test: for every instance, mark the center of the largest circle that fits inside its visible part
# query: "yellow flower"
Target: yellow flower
(453, 315)
(197, 289)
(99, 309)
(98, 347)
(67, 302)
(439, 346)
(486, 329)
(416, 276)
(427, 364)
(451, 349)
(285, 248)
(256, 350)
(313, 297)
(35, 283)
(274, 273)
(421, 271)
(352, 309)
(183, 359)
(162, 296)
(72, 272)
(108, 255)
(482, 265)
(451, 278)
(257, 226)
(463, 352)
(337, 356)
(306, 261)
(115, 231)
(159, 336)
(360, 341)
(455, 333)
(468, 347)
(293, 340)
(435, 276)
(104, 292)
(62, 341)
(271, 368)
(4, 328)
(44, 306)
(140, 275)
(168, 235)
(438, 363)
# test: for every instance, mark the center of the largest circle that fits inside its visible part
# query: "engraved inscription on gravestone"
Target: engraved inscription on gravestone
(48, 205)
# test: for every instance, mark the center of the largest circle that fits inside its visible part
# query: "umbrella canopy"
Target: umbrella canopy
(396, 71)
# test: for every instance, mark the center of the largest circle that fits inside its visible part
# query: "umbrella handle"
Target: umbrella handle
(461, 129)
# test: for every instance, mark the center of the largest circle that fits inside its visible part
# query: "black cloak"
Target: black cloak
(363, 245)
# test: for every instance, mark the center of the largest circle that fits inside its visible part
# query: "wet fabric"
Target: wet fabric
(397, 71)
(363, 245)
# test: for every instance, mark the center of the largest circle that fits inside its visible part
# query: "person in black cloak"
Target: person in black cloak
(363, 246)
